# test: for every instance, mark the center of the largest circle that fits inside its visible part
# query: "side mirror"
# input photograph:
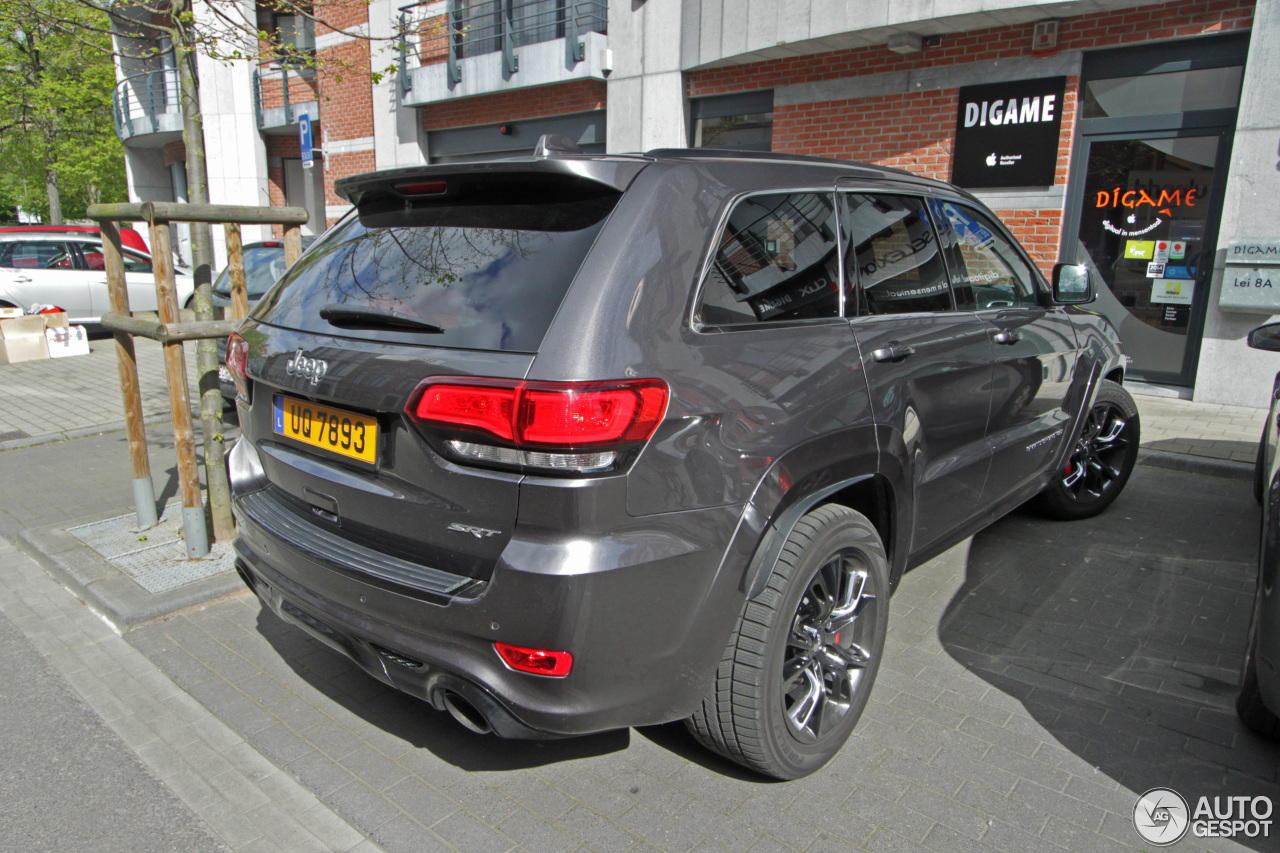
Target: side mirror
(1072, 284)
(1266, 337)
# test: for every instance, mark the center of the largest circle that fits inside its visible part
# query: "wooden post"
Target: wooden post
(235, 272)
(292, 243)
(144, 491)
(194, 528)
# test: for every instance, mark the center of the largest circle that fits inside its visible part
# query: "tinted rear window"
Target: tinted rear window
(487, 266)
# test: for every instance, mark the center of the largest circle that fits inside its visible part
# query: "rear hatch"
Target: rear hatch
(437, 273)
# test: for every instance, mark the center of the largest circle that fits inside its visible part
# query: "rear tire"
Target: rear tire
(1249, 706)
(1101, 461)
(800, 665)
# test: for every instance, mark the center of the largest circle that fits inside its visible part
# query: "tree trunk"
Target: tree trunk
(202, 263)
(55, 196)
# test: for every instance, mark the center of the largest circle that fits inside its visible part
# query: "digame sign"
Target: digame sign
(1007, 133)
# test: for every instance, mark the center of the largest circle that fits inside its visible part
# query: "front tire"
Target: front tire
(1101, 461)
(800, 665)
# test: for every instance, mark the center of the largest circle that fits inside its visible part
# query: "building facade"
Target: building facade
(1137, 137)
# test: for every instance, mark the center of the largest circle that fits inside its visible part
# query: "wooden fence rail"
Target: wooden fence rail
(171, 334)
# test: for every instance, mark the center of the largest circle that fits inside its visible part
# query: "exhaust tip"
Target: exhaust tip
(465, 713)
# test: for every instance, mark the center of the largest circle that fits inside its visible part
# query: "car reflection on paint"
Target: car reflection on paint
(1258, 702)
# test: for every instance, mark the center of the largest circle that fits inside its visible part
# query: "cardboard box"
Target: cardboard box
(10, 313)
(22, 339)
(66, 340)
(52, 321)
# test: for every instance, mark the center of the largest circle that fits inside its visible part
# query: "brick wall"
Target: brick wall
(561, 99)
(346, 99)
(914, 131)
(433, 40)
(174, 152)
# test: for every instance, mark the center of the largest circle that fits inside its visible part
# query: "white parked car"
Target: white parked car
(68, 270)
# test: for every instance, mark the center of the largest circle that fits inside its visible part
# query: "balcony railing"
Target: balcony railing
(147, 103)
(278, 90)
(490, 26)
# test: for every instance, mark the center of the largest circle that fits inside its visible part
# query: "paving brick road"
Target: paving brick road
(1037, 679)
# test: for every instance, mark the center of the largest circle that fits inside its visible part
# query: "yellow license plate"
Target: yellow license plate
(334, 430)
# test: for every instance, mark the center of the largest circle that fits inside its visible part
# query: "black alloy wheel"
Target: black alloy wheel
(800, 665)
(1101, 460)
(829, 648)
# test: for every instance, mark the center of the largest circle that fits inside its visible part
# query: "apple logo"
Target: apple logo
(991, 159)
(1131, 219)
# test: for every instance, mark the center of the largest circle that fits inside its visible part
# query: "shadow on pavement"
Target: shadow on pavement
(413, 720)
(1122, 635)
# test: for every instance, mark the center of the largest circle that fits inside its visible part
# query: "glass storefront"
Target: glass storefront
(1142, 225)
(1155, 131)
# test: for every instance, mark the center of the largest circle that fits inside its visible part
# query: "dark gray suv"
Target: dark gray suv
(574, 442)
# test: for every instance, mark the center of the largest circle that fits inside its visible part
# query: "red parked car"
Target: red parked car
(128, 236)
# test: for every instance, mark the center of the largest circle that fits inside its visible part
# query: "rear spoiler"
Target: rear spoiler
(611, 172)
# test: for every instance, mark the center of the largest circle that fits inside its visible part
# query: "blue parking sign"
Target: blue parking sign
(304, 139)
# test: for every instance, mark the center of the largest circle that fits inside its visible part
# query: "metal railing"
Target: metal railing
(476, 27)
(279, 85)
(140, 100)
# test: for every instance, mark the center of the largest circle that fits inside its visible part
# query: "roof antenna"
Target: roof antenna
(555, 145)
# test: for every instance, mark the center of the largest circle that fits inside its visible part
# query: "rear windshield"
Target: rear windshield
(485, 269)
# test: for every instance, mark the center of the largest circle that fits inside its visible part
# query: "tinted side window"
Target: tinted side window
(35, 255)
(892, 255)
(988, 262)
(775, 260)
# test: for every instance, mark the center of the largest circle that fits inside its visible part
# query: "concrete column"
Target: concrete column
(647, 105)
(397, 129)
(235, 151)
(1229, 372)
(178, 174)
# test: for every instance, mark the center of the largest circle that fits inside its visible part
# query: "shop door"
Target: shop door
(1145, 194)
(1148, 228)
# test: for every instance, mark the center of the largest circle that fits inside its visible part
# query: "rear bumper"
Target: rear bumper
(646, 613)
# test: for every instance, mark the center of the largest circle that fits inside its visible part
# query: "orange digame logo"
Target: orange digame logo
(1120, 197)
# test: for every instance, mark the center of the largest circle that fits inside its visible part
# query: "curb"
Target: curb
(81, 432)
(1196, 464)
(114, 595)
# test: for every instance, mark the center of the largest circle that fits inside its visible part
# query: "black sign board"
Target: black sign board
(1007, 133)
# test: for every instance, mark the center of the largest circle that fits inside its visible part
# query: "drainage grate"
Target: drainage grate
(156, 559)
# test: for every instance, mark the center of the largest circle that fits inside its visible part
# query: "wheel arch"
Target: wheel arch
(849, 482)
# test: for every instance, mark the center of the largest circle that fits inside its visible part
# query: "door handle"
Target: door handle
(1007, 338)
(893, 352)
(22, 279)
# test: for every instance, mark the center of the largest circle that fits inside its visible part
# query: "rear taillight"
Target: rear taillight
(238, 362)
(591, 422)
(536, 661)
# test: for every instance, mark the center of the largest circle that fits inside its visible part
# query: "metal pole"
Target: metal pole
(144, 491)
(194, 529)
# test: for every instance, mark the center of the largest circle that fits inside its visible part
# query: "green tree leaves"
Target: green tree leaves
(59, 151)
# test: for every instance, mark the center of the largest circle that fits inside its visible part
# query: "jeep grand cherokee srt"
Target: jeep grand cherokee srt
(574, 442)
